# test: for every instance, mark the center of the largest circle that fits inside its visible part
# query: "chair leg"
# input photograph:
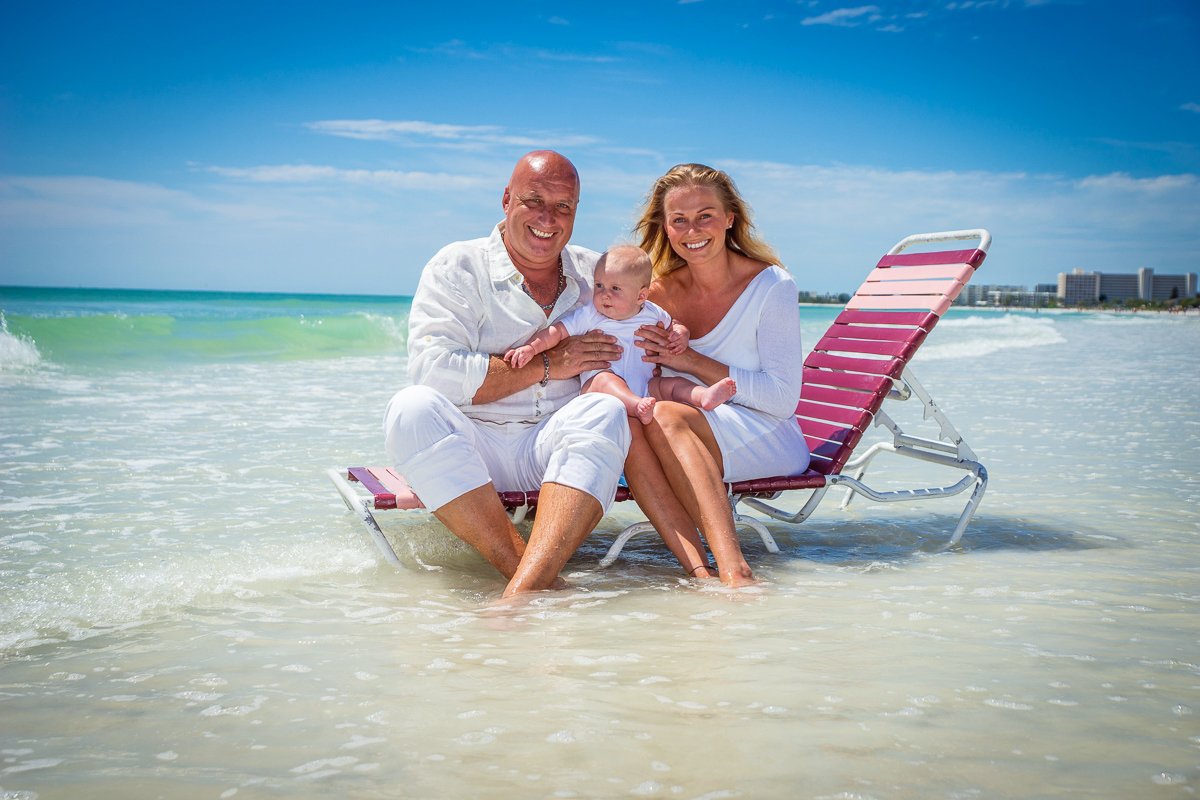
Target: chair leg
(614, 549)
(624, 536)
(972, 504)
(750, 522)
(362, 507)
(858, 468)
(809, 507)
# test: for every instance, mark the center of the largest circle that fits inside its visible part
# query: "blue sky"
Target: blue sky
(320, 147)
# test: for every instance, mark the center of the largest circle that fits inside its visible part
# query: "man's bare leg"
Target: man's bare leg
(479, 519)
(565, 517)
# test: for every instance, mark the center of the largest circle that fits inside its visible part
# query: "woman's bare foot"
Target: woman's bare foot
(645, 410)
(704, 572)
(738, 576)
(718, 393)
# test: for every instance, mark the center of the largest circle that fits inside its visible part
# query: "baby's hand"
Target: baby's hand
(519, 356)
(677, 339)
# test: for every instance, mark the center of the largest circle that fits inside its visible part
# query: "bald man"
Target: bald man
(471, 424)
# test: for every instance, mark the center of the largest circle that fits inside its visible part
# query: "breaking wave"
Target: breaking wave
(975, 336)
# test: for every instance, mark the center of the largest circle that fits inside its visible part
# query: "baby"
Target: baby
(619, 307)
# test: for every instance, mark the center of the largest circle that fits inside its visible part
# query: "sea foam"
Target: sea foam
(16, 352)
(972, 337)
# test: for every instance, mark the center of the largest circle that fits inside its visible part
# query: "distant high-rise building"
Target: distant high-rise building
(1083, 288)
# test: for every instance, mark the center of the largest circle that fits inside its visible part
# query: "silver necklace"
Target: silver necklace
(562, 284)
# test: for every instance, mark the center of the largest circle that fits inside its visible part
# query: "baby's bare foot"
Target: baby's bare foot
(645, 410)
(718, 393)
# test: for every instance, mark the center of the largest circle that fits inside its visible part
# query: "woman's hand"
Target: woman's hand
(662, 347)
(659, 344)
(579, 354)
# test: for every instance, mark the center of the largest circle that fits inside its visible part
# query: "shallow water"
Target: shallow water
(188, 610)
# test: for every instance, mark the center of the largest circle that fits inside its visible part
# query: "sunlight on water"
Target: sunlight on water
(187, 608)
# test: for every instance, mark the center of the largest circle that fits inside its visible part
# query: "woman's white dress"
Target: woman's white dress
(759, 338)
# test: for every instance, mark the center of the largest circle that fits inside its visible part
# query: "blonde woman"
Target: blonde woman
(716, 277)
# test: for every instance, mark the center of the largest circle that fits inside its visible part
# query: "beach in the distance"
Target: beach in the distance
(187, 609)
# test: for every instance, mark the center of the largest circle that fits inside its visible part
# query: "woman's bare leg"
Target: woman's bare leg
(646, 479)
(692, 463)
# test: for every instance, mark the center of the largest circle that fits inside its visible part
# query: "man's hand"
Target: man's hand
(577, 354)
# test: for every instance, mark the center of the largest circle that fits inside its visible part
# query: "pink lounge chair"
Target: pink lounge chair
(859, 363)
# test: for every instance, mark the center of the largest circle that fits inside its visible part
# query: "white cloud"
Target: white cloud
(1124, 183)
(232, 225)
(90, 201)
(845, 17)
(456, 48)
(303, 173)
(1193, 107)
(892, 18)
(455, 136)
(391, 129)
(818, 216)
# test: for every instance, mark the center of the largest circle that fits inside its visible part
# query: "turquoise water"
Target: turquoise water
(188, 610)
(110, 327)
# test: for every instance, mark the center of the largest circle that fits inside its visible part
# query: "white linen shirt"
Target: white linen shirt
(469, 306)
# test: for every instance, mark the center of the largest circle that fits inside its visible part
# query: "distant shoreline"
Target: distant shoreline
(1168, 312)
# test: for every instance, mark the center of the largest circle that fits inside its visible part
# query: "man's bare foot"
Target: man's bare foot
(645, 410)
(717, 394)
(557, 584)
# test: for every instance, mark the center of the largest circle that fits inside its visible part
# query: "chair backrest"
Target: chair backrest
(855, 364)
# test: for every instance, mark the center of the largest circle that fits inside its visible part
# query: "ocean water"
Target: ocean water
(188, 610)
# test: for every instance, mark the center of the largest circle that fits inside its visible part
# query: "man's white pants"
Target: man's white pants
(443, 454)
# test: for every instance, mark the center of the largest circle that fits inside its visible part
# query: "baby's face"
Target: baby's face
(618, 294)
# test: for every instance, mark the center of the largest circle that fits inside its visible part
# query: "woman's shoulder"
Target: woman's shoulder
(771, 275)
(757, 273)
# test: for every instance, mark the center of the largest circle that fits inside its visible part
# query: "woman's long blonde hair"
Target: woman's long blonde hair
(652, 225)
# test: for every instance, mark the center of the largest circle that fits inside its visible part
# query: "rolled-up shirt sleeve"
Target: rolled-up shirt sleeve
(444, 331)
(775, 386)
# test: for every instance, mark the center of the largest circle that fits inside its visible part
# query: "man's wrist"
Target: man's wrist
(545, 370)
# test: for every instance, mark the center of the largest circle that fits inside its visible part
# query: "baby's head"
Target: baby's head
(622, 280)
